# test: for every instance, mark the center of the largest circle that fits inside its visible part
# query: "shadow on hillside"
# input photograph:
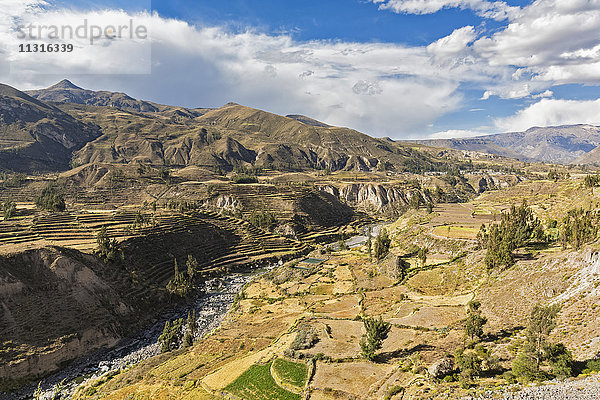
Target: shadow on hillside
(390, 355)
(502, 334)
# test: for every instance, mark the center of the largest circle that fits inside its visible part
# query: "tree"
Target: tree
(108, 248)
(469, 363)
(376, 332)
(475, 321)
(516, 228)
(541, 322)
(422, 255)
(415, 200)
(51, 199)
(170, 338)
(537, 350)
(179, 285)
(402, 268)
(192, 267)
(578, 227)
(188, 338)
(591, 181)
(382, 245)
(9, 209)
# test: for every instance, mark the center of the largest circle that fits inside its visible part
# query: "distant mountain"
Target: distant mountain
(35, 136)
(66, 92)
(559, 144)
(101, 127)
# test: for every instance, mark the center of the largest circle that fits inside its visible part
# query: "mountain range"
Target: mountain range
(64, 125)
(91, 127)
(568, 144)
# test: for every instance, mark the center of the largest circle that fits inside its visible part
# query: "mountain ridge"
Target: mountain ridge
(562, 144)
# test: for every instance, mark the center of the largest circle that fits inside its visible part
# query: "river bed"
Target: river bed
(212, 304)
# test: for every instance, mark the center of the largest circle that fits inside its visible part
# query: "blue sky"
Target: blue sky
(398, 68)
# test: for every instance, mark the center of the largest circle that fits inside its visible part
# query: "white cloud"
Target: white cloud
(381, 89)
(498, 10)
(551, 41)
(456, 133)
(454, 44)
(551, 112)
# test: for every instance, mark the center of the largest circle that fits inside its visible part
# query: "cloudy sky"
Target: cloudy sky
(397, 68)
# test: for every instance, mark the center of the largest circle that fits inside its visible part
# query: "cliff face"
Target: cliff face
(56, 304)
(376, 197)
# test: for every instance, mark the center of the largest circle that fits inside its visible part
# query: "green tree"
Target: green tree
(179, 285)
(517, 227)
(192, 267)
(578, 227)
(470, 365)
(499, 251)
(415, 200)
(422, 255)
(402, 268)
(188, 338)
(108, 249)
(9, 209)
(376, 332)
(537, 350)
(591, 181)
(171, 336)
(475, 321)
(382, 245)
(51, 199)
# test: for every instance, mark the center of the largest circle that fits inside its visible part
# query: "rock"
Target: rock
(441, 368)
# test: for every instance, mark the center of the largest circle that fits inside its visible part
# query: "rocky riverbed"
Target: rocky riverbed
(578, 389)
(212, 304)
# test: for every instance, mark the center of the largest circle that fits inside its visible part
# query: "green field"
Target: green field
(256, 383)
(290, 372)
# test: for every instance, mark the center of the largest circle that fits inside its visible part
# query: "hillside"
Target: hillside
(560, 144)
(295, 332)
(35, 136)
(131, 131)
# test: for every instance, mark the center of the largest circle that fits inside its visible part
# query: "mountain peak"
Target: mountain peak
(64, 84)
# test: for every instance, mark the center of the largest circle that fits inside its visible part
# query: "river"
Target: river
(215, 298)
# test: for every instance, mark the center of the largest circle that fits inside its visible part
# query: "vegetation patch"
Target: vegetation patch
(290, 372)
(258, 384)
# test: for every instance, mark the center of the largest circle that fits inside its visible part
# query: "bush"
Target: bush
(394, 390)
(262, 219)
(51, 199)
(469, 363)
(305, 338)
(244, 178)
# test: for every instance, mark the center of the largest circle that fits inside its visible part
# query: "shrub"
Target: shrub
(469, 363)
(262, 219)
(306, 337)
(244, 178)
